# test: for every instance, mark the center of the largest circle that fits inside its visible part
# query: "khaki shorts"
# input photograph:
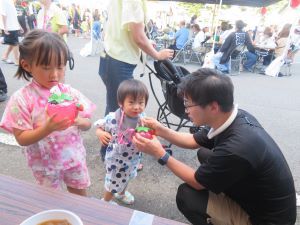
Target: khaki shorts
(224, 211)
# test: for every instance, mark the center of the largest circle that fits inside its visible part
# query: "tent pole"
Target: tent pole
(213, 18)
(216, 27)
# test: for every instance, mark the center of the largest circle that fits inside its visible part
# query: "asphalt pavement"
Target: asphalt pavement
(275, 101)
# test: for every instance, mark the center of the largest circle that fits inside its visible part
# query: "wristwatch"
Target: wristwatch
(164, 159)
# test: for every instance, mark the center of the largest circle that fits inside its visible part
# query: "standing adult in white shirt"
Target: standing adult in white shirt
(11, 27)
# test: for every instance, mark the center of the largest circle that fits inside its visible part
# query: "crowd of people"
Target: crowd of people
(243, 177)
(266, 42)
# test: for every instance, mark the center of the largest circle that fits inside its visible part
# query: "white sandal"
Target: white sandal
(126, 198)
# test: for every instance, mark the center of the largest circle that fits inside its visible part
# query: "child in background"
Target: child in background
(54, 149)
(86, 26)
(122, 158)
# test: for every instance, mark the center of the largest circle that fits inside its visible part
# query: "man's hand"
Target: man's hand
(153, 124)
(165, 54)
(6, 31)
(103, 136)
(151, 147)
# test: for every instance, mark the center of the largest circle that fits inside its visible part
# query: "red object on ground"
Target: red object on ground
(295, 3)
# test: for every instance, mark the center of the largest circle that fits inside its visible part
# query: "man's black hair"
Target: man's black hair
(239, 24)
(205, 86)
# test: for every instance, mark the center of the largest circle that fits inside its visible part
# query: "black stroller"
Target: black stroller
(172, 106)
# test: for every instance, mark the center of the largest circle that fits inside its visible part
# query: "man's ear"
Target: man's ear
(214, 107)
(25, 65)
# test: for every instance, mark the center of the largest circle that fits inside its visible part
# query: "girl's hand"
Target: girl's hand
(82, 123)
(103, 136)
(151, 147)
(53, 125)
(153, 124)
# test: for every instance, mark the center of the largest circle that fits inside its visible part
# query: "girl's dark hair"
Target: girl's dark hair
(134, 88)
(206, 86)
(39, 47)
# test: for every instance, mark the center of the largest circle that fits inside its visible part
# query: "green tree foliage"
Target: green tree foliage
(194, 8)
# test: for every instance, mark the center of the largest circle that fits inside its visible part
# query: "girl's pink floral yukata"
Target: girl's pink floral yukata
(60, 156)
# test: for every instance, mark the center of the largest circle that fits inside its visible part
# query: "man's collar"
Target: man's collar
(212, 133)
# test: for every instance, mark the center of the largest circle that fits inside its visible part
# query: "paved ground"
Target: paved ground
(274, 101)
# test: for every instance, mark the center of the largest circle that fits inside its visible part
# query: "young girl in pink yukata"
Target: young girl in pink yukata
(54, 149)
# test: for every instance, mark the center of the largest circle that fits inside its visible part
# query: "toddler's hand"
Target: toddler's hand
(103, 136)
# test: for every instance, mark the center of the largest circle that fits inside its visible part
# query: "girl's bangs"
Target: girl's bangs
(48, 51)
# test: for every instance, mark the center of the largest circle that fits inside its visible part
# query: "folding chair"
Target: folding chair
(199, 54)
(261, 54)
(184, 52)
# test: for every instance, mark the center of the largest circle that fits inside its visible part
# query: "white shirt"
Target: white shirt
(266, 42)
(212, 132)
(118, 41)
(199, 38)
(8, 9)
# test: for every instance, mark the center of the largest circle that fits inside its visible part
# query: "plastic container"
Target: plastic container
(62, 111)
(54, 214)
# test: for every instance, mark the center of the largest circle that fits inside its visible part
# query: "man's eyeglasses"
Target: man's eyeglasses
(186, 105)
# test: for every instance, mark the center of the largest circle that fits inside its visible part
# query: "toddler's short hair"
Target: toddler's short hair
(134, 88)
